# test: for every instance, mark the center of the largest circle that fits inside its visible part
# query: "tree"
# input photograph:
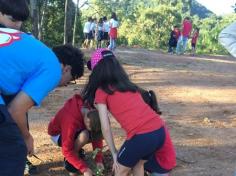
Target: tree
(34, 16)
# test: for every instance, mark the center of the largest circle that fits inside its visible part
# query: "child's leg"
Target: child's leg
(138, 169)
(82, 139)
(179, 43)
(122, 171)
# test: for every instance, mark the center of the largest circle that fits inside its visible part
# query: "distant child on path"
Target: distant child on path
(99, 33)
(106, 30)
(72, 128)
(174, 35)
(87, 33)
(109, 89)
(227, 38)
(194, 40)
(185, 34)
(113, 31)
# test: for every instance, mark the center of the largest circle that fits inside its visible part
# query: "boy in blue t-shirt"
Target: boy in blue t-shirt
(29, 71)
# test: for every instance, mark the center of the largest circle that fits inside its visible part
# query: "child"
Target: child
(26, 64)
(194, 40)
(174, 35)
(110, 89)
(72, 128)
(113, 31)
(87, 33)
(106, 29)
(99, 31)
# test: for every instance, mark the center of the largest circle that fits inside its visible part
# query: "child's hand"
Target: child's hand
(88, 172)
(100, 166)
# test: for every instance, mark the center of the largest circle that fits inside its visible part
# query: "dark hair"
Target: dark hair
(96, 132)
(108, 75)
(100, 21)
(89, 18)
(18, 9)
(175, 26)
(104, 18)
(69, 55)
(113, 15)
(150, 98)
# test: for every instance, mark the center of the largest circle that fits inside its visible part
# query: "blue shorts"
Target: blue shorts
(140, 147)
(13, 150)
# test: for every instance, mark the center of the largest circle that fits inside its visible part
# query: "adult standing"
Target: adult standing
(185, 34)
(29, 71)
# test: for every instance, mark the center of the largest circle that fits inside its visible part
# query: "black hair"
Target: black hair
(113, 15)
(104, 18)
(18, 9)
(108, 75)
(69, 55)
(150, 98)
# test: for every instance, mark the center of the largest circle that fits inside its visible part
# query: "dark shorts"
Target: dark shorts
(140, 147)
(86, 36)
(13, 150)
(193, 45)
(105, 36)
(153, 166)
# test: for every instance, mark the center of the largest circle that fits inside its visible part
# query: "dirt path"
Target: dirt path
(197, 96)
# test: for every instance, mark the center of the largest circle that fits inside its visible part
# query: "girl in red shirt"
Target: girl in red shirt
(148, 141)
(72, 128)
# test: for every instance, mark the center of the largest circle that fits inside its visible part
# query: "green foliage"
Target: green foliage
(146, 23)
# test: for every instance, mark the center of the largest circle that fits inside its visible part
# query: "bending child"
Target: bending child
(110, 89)
(73, 127)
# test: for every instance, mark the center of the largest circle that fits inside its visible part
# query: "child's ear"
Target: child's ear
(66, 68)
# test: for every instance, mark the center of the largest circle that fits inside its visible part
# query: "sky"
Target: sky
(219, 7)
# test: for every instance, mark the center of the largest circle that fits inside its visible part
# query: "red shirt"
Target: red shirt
(186, 28)
(195, 37)
(130, 110)
(67, 122)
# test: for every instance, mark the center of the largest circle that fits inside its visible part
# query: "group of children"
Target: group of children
(104, 32)
(179, 38)
(27, 64)
(84, 119)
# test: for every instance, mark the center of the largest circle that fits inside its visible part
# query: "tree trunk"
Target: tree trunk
(41, 21)
(66, 22)
(75, 23)
(34, 16)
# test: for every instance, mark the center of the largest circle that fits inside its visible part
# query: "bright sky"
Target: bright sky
(219, 7)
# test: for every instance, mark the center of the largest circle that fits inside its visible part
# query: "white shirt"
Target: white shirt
(93, 26)
(87, 26)
(114, 23)
(227, 38)
(106, 26)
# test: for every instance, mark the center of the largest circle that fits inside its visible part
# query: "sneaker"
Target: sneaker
(30, 168)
